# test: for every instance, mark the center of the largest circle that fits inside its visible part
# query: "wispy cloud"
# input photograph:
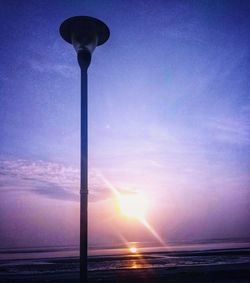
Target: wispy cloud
(47, 179)
(229, 130)
(64, 70)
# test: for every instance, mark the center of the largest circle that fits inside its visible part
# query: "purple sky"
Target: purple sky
(169, 118)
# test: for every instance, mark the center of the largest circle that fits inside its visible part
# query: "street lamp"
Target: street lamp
(84, 33)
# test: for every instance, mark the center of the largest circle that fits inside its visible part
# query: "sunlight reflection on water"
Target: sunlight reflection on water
(57, 252)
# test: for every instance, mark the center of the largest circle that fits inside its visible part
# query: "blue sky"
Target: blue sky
(169, 117)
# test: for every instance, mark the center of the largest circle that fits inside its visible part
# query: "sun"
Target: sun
(133, 250)
(132, 205)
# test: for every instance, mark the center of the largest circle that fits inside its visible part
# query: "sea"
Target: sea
(146, 255)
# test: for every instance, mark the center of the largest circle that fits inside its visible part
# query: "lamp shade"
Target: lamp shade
(84, 33)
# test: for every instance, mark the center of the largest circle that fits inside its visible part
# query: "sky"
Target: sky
(169, 112)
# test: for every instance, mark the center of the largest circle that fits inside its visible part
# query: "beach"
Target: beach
(222, 266)
(221, 274)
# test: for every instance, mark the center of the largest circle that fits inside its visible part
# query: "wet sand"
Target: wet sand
(201, 274)
(223, 273)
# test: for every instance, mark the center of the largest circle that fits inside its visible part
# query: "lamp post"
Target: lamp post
(84, 33)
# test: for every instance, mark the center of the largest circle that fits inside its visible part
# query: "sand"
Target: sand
(239, 273)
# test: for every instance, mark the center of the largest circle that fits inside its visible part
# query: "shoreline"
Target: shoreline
(229, 251)
(223, 266)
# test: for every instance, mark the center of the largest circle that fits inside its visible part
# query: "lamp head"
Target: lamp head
(84, 33)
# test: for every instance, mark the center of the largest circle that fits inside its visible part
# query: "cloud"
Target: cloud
(56, 192)
(229, 130)
(64, 70)
(48, 179)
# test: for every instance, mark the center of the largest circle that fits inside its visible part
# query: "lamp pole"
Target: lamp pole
(84, 33)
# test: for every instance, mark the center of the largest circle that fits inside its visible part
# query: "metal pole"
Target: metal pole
(84, 33)
(84, 58)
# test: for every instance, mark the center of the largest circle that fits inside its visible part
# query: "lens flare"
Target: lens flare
(132, 205)
(135, 206)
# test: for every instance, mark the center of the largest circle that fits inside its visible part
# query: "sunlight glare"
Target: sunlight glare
(132, 205)
(133, 250)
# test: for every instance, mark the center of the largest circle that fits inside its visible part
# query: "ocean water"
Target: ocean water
(65, 259)
(73, 251)
(98, 263)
